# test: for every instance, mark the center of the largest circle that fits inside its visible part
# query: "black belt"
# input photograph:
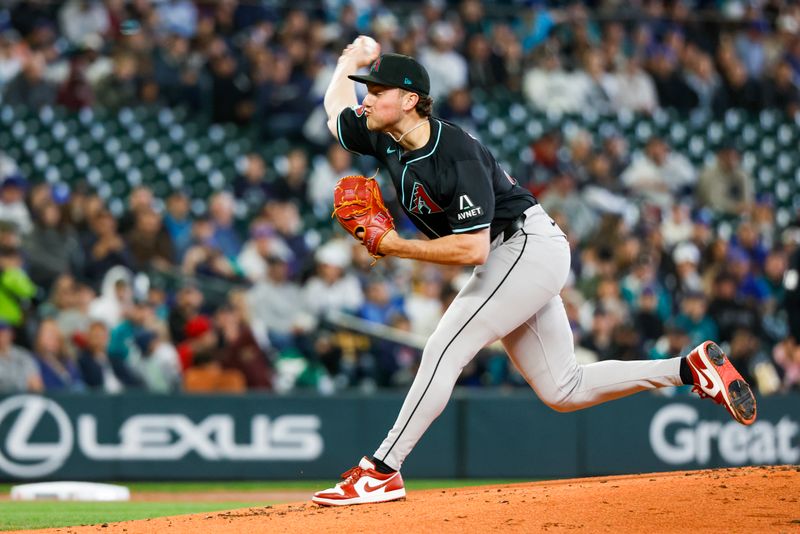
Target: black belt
(511, 228)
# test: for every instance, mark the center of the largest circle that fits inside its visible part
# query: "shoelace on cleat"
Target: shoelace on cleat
(351, 475)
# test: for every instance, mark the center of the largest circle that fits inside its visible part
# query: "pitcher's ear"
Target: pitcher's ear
(410, 101)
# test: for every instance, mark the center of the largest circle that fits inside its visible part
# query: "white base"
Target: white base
(70, 491)
(364, 499)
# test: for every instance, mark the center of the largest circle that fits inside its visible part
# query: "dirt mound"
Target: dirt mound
(221, 496)
(751, 499)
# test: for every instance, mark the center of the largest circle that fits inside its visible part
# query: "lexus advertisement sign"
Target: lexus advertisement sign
(129, 437)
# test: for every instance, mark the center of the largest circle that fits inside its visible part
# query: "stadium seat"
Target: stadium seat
(517, 113)
(534, 129)
(768, 120)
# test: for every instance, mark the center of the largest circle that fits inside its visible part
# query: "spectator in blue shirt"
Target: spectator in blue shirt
(58, 370)
(225, 238)
(178, 223)
(750, 288)
(379, 306)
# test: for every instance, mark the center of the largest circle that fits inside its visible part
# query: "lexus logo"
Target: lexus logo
(18, 455)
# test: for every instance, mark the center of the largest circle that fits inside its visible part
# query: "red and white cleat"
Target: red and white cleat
(716, 378)
(361, 485)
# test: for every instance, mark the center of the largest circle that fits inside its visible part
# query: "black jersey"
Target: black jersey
(453, 184)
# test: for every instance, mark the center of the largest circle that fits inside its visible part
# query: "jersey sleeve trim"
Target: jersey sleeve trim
(477, 226)
(339, 131)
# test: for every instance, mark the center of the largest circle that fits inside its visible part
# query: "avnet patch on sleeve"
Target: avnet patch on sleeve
(472, 207)
(467, 208)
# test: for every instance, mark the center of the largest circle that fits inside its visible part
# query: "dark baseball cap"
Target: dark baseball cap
(397, 70)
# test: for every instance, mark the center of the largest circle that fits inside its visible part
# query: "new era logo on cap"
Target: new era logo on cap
(397, 70)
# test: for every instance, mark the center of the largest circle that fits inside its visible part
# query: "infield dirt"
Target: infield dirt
(750, 499)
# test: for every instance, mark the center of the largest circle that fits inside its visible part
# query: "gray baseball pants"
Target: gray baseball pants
(514, 297)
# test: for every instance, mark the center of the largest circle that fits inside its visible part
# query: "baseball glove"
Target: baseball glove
(358, 206)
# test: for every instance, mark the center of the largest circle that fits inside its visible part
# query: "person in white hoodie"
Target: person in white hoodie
(115, 297)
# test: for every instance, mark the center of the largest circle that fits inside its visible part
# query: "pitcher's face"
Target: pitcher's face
(383, 107)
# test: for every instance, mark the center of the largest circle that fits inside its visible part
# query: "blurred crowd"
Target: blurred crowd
(165, 297)
(267, 63)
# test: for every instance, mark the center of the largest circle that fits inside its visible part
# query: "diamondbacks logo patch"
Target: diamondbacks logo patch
(376, 67)
(421, 201)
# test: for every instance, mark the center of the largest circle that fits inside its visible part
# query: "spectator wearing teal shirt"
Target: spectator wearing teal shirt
(693, 318)
(124, 335)
(772, 279)
(644, 276)
(674, 341)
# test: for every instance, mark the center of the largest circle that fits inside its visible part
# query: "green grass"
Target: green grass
(290, 485)
(52, 514)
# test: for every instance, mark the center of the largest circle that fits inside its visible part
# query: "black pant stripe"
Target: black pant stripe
(450, 343)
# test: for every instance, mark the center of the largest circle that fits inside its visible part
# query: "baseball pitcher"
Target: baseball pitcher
(474, 213)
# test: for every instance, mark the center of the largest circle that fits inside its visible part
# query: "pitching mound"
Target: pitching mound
(752, 499)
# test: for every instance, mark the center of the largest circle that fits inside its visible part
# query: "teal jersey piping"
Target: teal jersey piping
(459, 230)
(339, 130)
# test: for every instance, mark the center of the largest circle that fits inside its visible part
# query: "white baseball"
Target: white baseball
(369, 44)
